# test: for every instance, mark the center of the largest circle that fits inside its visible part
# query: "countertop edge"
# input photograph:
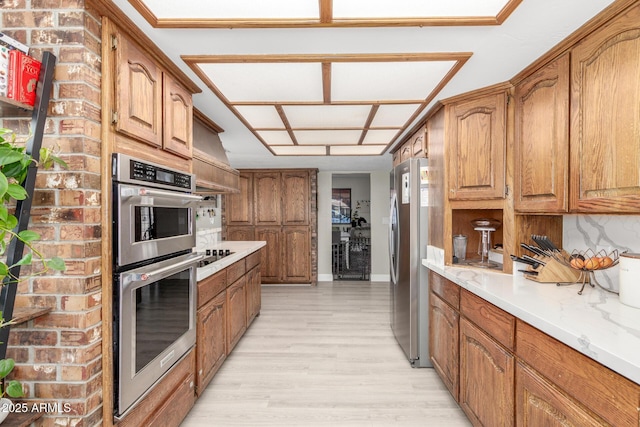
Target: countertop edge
(576, 333)
(241, 250)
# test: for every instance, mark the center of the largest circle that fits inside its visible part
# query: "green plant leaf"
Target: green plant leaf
(17, 191)
(13, 170)
(56, 263)
(3, 212)
(4, 185)
(26, 260)
(28, 235)
(4, 270)
(12, 221)
(6, 366)
(14, 389)
(9, 155)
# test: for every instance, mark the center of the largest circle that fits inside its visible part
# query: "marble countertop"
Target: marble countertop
(595, 323)
(240, 248)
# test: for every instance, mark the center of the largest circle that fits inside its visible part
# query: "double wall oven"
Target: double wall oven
(154, 301)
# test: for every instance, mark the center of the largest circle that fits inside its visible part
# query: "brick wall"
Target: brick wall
(58, 355)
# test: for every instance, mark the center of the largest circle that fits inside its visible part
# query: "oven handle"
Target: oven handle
(141, 277)
(143, 191)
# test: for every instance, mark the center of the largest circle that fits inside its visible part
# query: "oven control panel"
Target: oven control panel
(150, 173)
(127, 169)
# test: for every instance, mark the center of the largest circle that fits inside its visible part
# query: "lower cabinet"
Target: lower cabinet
(486, 378)
(511, 373)
(169, 402)
(443, 342)
(539, 403)
(236, 310)
(228, 301)
(212, 339)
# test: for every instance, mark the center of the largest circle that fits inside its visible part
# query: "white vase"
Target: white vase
(5, 408)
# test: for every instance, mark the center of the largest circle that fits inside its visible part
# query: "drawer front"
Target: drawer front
(235, 271)
(496, 322)
(211, 286)
(445, 289)
(253, 259)
(604, 392)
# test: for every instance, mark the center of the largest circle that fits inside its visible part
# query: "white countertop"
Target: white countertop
(240, 248)
(595, 323)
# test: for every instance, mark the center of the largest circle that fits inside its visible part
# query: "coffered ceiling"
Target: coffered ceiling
(312, 83)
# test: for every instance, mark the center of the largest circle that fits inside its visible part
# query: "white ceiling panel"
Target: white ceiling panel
(276, 137)
(261, 116)
(235, 9)
(267, 82)
(415, 8)
(322, 116)
(327, 137)
(357, 150)
(299, 150)
(394, 115)
(379, 136)
(386, 81)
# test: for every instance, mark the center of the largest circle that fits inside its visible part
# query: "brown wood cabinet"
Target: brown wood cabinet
(605, 109)
(169, 402)
(239, 210)
(295, 198)
(511, 372)
(607, 394)
(414, 146)
(540, 404)
(228, 301)
(212, 340)
(443, 342)
(138, 93)
(236, 310)
(281, 201)
(241, 233)
(271, 263)
(267, 198)
(486, 378)
(542, 140)
(150, 105)
(296, 243)
(477, 142)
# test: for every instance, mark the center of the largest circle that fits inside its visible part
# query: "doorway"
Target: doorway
(350, 226)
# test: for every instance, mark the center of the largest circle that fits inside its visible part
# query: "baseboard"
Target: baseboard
(380, 278)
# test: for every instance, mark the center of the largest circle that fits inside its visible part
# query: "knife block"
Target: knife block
(553, 272)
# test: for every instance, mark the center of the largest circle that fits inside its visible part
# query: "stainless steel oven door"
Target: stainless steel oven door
(152, 223)
(157, 324)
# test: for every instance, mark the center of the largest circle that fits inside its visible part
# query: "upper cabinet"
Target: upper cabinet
(476, 140)
(414, 146)
(150, 105)
(542, 139)
(295, 198)
(605, 118)
(138, 93)
(178, 118)
(240, 205)
(268, 190)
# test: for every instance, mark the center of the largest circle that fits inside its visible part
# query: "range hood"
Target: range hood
(211, 166)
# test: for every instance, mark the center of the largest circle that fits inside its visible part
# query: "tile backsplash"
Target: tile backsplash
(608, 232)
(208, 223)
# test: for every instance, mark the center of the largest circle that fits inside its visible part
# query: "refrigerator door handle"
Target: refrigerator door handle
(393, 238)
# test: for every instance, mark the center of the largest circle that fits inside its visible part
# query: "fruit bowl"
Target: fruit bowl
(588, 262)
(591, 260)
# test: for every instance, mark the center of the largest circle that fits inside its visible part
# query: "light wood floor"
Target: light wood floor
(323, 356)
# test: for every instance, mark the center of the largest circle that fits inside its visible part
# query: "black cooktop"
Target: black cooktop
(213, 255)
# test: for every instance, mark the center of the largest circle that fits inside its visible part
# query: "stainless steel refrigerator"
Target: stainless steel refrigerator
(408, 231)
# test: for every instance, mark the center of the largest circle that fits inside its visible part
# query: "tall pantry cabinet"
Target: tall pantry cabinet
(275, 205)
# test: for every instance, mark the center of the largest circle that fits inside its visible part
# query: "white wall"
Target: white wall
(378, 193)
(324, 227)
